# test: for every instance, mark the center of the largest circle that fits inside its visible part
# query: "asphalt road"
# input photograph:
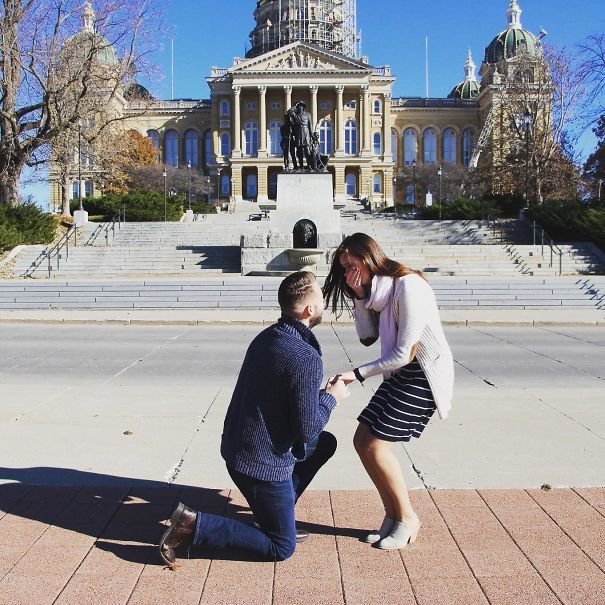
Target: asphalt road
(109, 404)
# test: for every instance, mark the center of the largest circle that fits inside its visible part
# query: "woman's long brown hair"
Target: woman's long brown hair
(365, 248)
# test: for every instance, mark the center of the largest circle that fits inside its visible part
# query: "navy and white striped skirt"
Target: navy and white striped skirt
(402, 405)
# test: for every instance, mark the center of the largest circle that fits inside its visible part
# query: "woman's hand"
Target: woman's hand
(348, 377)
(353, 280)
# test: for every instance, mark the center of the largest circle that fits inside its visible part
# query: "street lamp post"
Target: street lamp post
(395, 197)
(526, 126)
(414, 178)
(189, 185)
(600, 183)
(208, 187)
(164, 174)
(80, 163)
(439, 173)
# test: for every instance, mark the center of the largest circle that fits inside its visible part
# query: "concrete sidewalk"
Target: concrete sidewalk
(80, 546)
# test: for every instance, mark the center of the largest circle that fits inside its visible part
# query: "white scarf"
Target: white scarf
(381, 299)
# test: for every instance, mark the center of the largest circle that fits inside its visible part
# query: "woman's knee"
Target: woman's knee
(366, 444)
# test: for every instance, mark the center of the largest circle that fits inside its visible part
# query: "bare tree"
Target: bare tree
(61, 62)
(541, 105)
(593, 69)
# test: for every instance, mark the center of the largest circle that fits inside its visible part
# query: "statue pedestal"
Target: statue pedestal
(306, 196)
(304, 200)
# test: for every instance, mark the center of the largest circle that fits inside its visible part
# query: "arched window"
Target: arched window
(224, 108)
(351, 185)
(225, 144)
(377, 184)
(154, 137)
(409, 194)
(171, 148)
(377, 143)
(468, 145)
(208, 148)
(377, 106)
(394, 142)
(88, 189)
(75, 190)
(325, 137)
(410, 146)
(449, 146)
(274, 138)
(225, 185)
(251, 139)
(191, 148)
(429, 144)
(351, 137)
(251, 191)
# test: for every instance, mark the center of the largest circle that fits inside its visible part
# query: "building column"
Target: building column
(262, 185)
(236, 184)
(366, 148)
(386, 121)
(340, 193)
(339, 134)
(237, 127)
(288, 93)
(314, 90)
(262, 93)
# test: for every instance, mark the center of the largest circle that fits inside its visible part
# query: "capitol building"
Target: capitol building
(307, 50)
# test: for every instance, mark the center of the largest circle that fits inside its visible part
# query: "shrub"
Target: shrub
(144, 206)
(571, 220)
(462, 209)
(25, 224)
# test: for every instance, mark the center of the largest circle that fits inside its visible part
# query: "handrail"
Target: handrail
(53, 250)
(112, 226)
(554, 249)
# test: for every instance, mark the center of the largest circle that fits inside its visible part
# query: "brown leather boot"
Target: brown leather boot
(180, 533)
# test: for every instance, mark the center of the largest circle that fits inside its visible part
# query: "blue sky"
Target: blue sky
(207, 33)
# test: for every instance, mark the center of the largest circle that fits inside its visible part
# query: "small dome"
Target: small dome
(469, 88)
(514, 40)
(133, 91)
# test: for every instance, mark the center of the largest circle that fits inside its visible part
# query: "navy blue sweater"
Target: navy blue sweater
(277, 406)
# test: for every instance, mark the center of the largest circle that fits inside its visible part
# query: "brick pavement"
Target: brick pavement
(80, 546)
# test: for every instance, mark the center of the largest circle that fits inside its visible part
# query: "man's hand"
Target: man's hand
(337, 388)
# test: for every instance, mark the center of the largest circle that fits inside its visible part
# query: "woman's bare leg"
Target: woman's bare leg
(385, 472)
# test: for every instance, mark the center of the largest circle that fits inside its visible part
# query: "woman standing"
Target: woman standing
(397, 304)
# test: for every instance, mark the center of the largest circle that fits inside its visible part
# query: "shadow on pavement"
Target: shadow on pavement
(124, 515)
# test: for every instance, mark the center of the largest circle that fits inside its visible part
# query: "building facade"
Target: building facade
(306, 50)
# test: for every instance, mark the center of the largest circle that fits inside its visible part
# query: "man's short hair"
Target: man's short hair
(293, 290)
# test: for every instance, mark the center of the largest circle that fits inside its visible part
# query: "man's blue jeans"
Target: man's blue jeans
(272, 504)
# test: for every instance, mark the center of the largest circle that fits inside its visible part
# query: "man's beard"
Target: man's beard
(315, 321)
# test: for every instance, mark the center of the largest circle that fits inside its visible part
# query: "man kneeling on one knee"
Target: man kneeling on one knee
(273, 440)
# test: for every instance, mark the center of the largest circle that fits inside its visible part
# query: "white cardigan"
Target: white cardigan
(415, 310)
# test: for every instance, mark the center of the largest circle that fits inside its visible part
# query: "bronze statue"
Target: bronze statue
(302, 127)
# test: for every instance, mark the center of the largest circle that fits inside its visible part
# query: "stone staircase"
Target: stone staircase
(253, 293)
(210, 247)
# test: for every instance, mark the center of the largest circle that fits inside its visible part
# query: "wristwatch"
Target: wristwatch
(358, 375)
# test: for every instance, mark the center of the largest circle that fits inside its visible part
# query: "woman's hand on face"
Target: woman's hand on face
(353, 280)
